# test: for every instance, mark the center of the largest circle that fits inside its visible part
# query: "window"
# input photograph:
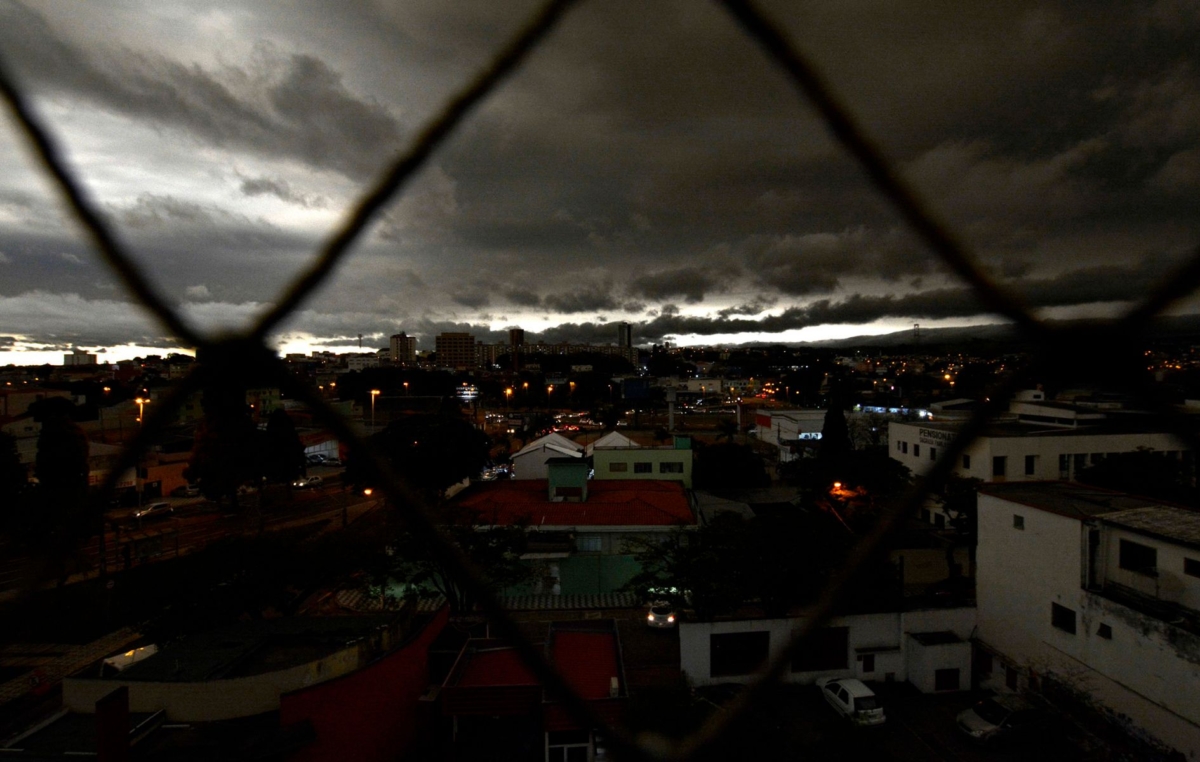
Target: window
(671, 468)
(1030, 465)
(612, 467)
(1011, 677)
(1139, 558)
(1080, 462)
(643, 468)
(904, 447)
(1191, 567)
(933, 453)
(967, 462)
(1018, 522)
(998, 465)
(827, 648)
(945, 679)
(1064, 465)
(916, 451)
(868, 663)
(1104, 631)
(737, 653)
(983, 663)
(1062, 618)
(589, 543)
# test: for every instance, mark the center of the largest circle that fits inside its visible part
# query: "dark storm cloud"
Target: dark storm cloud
(647, 153)
(280, 189)
(691, 283)
(597, 296)
(292, 106)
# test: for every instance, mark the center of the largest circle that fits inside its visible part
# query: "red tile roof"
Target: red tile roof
(587, 661)
(501, 666)
(609, 503)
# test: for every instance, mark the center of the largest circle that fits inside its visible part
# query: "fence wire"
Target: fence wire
(1117, 340)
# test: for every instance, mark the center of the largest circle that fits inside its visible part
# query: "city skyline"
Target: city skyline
(645, 166)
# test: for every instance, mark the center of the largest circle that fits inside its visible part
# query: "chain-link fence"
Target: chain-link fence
(1116, 341)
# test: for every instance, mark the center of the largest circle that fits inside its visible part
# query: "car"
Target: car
(661, 615)
(187, 490)
(1005, 717)
(332, 461)
(308, 482)
(154, 511)
(315, 459)
(853, 700)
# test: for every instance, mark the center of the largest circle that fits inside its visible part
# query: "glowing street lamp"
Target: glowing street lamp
(141, 403)
(374, 394)
(405, 388)
(507, 397)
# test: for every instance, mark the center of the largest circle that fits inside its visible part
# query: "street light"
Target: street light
(141, 403)
(405, 388)
(374, 394)
(507, 397)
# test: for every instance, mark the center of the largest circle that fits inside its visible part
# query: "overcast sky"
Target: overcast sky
(646, 165)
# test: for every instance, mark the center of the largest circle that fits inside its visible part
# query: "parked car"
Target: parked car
(154, 511)
(852, 699)
(1006, 717)
(187, 490)
(332, 461)
(661, 615)
(315, 459)
(308, 482)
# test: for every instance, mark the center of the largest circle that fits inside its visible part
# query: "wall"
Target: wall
(920, 441)
(208, 701)
(603, 458)
(867, 631)
(924, 661)
(374, 713)
(1147, 670)
(1170, 583)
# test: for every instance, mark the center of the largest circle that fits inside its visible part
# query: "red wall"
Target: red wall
(371, 714)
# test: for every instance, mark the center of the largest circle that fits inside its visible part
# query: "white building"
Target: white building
(929, 648)
(530, 461)
(787, 428)
(1035, 441)
(1097, 594)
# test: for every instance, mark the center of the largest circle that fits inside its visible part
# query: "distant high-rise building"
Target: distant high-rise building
(516, 337)
(456, 350)
(404, 349)
(624, 335)
(79, 357)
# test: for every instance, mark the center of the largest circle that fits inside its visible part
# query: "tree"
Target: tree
(1143, 472)
(727, 429)
(60, 519)
(834, 448)
(495, 552)
(430, 452)
(283, 452)
(728, 466)
(227, 452)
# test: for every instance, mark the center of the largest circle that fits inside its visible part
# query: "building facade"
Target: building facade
(1095, 594)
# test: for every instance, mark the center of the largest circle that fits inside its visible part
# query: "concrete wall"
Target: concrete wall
(1168, 583)
(604, 459)
(1146, 669)
(208, 701)
(882, 634)
(925, 660)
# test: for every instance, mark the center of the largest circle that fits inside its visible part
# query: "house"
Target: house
(1035, 441)
(530, 461)
(615, 456)
(497, 701)
(1095, 594)
(931, 649)
(580, 529)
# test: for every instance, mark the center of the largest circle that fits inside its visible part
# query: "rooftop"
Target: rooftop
(609, 503)
(1166, 522)
(1070, 498)
(1002, 429)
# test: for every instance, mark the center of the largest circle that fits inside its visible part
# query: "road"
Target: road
(195, 524)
